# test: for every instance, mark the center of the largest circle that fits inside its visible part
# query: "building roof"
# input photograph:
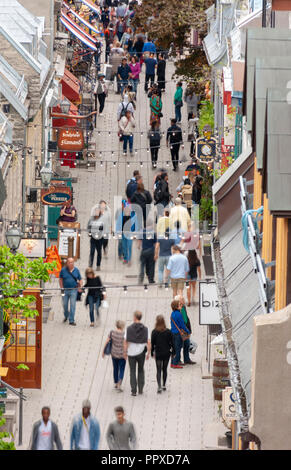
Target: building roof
(264, 42)
(278, 164)
(270, 72)
(13, 87)
(24, 31)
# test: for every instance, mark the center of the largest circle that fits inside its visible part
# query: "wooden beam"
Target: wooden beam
(281, 263)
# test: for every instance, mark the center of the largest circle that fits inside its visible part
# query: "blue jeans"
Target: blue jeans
(126, 248)
(70, 296)
(118, 369)
(122, 85)
(97, 303)
(129, 139)
(178, 346)
(120, 248)
(134, 82)
(178, 113)
(186, 346)
(162, 264)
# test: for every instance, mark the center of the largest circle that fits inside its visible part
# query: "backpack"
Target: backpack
(123, 111)
(130, 189)
(158, 193)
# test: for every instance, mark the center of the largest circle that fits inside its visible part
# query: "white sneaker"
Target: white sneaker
(100, 114)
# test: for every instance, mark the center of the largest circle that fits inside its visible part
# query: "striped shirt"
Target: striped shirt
(117, 344)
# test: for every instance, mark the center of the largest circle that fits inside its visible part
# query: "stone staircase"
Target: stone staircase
(11, 414)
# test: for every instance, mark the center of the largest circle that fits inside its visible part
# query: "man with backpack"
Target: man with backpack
(131, 186)
(123, 107)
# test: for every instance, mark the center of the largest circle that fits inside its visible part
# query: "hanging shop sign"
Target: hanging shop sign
(33, 247)
(55, 196)
(71, 139)
(208, 304)
(206, 149)
(228, 404)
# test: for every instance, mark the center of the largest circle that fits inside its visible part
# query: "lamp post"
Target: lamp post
(13, 238)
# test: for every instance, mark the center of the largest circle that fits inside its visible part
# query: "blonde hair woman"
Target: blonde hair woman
(117, 353)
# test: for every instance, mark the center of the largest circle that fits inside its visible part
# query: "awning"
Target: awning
(78, 34)
(80, 18)
(78, 27)
(65, 122)
(71, 87)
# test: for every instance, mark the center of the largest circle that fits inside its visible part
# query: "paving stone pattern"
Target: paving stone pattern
(72, 366)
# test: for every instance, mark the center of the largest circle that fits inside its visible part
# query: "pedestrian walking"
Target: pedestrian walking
(162, 348)
(95, 228)
(101, 92)
(193, 274)
(162, 194)
(178, 102)
(163, 252)
(149, 47)
(123, 75)
(178, 327)
(70, 282)
(138, 47)
(121, 434)
(126, 128)
(193, 133)
(94, 295)
(191, 100)
(175, 138)
(45, 433)
(137, 348)
(124, 106)
(151, 65)
(135, 73)
(147, 255)
(107, 228)
(186, 194)
(120, 28)
(143, 199)
(127, 40)
(186, 343)
(117, 353)
(85, 430)
(131, 185)
(197, 190)
(163, 223)
(177, 269)
(161, 72)
(156, 106)
(126, 226)
(179, 217)
(154, 136)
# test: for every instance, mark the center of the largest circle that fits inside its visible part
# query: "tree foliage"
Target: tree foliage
(170, 22)
(6, 438)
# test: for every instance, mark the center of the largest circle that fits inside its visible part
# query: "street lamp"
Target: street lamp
(46, 175)
(65, 106)
(13, 238)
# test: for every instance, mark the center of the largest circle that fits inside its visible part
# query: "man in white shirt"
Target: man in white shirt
(45, 433)
(136, 344)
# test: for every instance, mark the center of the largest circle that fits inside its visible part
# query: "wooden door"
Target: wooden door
(26, 348)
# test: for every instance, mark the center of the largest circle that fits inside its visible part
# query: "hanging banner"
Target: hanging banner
(91, 5)
(81, 19)
(208, 304)
(82, 30)
(78, 34)
(71, 139)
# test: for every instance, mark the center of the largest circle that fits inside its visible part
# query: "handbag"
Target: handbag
(108, 347)
(79, 294)
(190, 137)
(179, 103)
(184, 335)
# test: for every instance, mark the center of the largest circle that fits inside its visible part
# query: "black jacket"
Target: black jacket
(141, 199)
(174, 134)
(162, 344)
(55, 437)
(161, 69)
(96, 292)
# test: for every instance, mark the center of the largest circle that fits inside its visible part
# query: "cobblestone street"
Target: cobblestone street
(72, 364)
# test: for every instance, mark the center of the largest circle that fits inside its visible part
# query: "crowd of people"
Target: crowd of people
(160, 225)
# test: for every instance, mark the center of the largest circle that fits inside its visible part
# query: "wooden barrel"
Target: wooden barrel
(220, 376)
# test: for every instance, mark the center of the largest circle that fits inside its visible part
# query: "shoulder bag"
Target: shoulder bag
(79, 294)
(108, 347)
(184, 335)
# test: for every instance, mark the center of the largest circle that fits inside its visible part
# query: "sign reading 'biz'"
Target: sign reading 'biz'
(208, 304)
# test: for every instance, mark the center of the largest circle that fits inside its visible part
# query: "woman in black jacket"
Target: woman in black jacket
(162, 348)
(142, 198)
(94, 295)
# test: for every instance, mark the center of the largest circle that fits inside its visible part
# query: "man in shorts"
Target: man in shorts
(177, 269)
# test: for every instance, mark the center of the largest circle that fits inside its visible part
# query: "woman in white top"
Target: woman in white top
(127, 126)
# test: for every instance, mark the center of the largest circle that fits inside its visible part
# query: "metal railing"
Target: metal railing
(254, 243)
(22, 397)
